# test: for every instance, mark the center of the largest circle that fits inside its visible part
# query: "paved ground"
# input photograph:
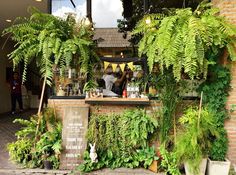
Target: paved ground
(7, 135)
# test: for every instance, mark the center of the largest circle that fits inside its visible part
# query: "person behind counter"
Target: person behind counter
(111, 80)
(106, 92)
(128, 78)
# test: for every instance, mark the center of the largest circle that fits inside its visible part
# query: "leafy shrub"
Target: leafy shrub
(193, 143)
(19, 151)
(219, 146)
(121, 140)
(216, 89)
(169, 162)
(32, 148)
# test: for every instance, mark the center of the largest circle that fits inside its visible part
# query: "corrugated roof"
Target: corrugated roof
(110, 37)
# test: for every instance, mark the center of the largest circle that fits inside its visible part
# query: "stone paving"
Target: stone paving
(7, 135)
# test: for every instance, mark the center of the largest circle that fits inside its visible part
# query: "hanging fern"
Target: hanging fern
(50, 40)
(181, 39)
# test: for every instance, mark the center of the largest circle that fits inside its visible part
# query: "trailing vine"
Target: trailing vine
(121, 140)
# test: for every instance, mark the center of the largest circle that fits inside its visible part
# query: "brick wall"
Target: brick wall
(60, 104)
(108, 108)
(228, 9)
(230, 124)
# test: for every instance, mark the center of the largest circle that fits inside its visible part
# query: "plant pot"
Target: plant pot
(202, 168)
(153, 167)
(218, 167)
(152, 91)
(47, 164)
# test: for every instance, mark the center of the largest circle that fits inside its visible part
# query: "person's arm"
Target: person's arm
(121, 79)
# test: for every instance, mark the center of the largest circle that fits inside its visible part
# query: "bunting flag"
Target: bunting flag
(122, 67)
(106, 64)
(114, 67)
(131, 65)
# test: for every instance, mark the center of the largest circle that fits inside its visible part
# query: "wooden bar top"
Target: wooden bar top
(109, 100)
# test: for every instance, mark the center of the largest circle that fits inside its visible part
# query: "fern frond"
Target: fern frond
(180, 41)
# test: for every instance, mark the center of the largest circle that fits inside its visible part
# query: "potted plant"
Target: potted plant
(47, 164)
(193, 142)
(49, 145)
(217, 163)
(216, 89)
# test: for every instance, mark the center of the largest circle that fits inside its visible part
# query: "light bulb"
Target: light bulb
(148, 20)
(87, 22)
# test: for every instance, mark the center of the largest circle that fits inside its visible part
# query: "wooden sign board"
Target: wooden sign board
(75, 124)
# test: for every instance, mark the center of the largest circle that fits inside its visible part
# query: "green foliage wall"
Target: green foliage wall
(121, 140)
(216, 90)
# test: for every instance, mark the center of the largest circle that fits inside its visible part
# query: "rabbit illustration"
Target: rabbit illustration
(93, 155)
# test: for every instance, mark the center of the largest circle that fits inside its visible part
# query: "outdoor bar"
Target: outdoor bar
(159, 99)
(75, 108)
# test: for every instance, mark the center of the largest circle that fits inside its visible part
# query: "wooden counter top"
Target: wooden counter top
(125, 101)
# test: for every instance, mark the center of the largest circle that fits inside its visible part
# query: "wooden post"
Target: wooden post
(40, 106)
(42, 94)
(200, 110)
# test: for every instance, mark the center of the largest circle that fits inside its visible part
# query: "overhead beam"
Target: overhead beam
(89, 10)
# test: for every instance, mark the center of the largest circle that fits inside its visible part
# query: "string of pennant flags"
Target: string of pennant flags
(122, 66)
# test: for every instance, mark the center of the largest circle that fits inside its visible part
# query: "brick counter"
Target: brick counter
(75, 113)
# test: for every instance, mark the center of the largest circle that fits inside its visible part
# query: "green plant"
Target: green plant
(49, 144)
(146, 156)
(219, 146)
(216, 89)
(139, 158)
(28, 127)
(50, 41)
(169, 162)
(168, 89)
(181, 39)
(46, 146)
(193, 142)
(121, 140)
(19, 151)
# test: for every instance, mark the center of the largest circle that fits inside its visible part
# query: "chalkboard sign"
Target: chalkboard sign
(75, 124)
